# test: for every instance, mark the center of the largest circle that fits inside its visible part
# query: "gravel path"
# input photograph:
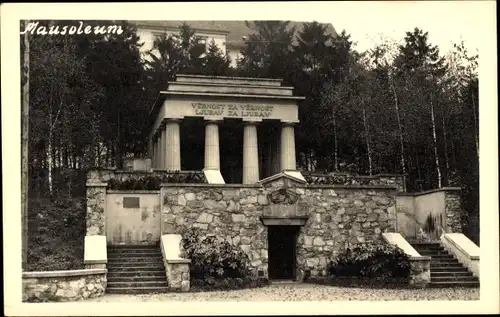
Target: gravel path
(299, 292)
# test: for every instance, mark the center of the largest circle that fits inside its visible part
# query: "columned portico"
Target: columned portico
(212, 151)
(246, 110)
(172, 149)
(250, 153)
(287, 146)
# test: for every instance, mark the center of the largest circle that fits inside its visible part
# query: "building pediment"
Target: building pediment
(284, 179)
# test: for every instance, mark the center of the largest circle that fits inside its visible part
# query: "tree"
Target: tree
(25, 84)
(319, 60)
(421, 67)
(267, 50)
(216, 63)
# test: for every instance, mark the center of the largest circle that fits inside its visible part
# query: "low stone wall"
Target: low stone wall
(318, 178)
(63, 285)
(332, 217)
(163, 176)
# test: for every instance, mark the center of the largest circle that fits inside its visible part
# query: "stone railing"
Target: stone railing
(318, 178)
(144, 180)
(177, 268)
(60, 286)
(466, 251)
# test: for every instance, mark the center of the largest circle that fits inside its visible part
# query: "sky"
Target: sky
(445, 22)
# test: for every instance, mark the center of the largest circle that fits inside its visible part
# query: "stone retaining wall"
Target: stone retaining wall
(69, 285)
(96, 201)
(453, 210)
(335, 217)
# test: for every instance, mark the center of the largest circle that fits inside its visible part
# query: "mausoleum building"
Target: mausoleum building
(290, 223)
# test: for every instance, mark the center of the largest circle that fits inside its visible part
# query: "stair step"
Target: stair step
(444, 261)
(457, 269)
(437, 254)
(151, 263)
(134, 260)
(158, 273)
(455, 284)
(159, 278)
(136, 290)
(453, 278)
(452, 273)
(113, 255)
(136, 268)
(138, 284)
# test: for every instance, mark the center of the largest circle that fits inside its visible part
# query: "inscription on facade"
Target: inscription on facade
(232, 110)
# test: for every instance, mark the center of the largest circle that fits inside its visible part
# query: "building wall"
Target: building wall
(234, 54)
(441, 206)
(138, 224)
(337, 218)
(405, 216)
(148, 36)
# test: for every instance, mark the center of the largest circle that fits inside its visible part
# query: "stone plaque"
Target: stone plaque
(277, 221)
(130, 202)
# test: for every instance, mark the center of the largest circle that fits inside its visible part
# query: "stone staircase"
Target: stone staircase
(135, 270)
(446, 271)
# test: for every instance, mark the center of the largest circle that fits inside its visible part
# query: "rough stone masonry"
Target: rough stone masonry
(335, 218)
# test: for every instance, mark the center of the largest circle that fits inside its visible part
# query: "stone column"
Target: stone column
(172, 150)
(287, 147)
(161, 154)
(250, 153)
(96, 201)
(212, 152)
(153, 157)
(276, 158)
(150, 148)
(157, 150)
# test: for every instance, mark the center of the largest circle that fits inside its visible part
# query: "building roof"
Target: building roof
(234, 30)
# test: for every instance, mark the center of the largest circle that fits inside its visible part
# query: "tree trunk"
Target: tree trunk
(446, 159)
(419, 173)
(367, 140)
(476, 133)
(434, 137)
(400, 127)
(24, 148)
(49, 155)
(335, 142)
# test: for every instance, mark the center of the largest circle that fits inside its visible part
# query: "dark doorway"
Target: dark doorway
(282, 243)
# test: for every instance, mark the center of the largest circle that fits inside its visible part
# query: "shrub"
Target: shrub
(221, 284)
(374, 261)
(213, 258)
